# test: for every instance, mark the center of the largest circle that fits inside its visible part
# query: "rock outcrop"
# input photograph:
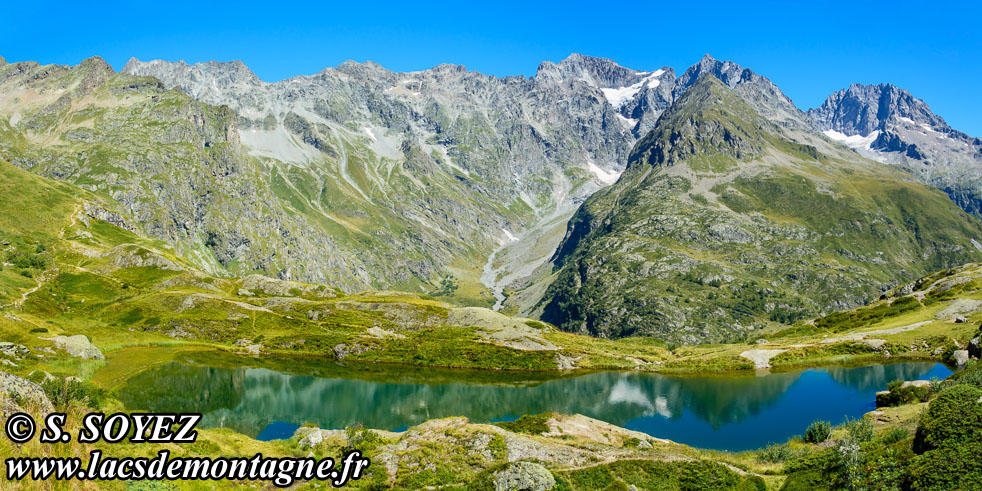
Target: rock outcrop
(16, 393)
(77, 346)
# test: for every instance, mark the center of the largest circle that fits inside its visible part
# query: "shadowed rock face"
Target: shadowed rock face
(889, 124)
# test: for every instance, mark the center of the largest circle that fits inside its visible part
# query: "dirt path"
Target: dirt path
(859, 336)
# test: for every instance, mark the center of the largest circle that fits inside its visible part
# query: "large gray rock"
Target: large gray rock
(960, 357)
(19, 395)
(14, 350)
(77, 346)
(523, 476)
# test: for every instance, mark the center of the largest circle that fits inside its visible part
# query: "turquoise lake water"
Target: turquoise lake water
(733, 412)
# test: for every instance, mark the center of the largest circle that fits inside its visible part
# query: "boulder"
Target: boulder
(311, 440)
(77, 346)
(135, 256)
(761, 357)
(875, 344)
(960, 357)
(524, 476)
(16, 392)
(14, 350)
(284, 288)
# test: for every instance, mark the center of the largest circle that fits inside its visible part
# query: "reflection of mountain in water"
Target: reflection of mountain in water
(249, 399)
(877, 377)
(181, 388)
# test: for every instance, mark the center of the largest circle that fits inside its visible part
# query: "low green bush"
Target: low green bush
(898, 395)
(860, 430)
(949, 441)
(949, 467)
(532, 424)
(776, 454)
(818, 432)
(63, 391)
(955, 416)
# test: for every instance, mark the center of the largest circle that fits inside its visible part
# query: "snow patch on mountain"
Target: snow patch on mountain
(854, 141)
(618, 96)
(628, 122)
(605, 176)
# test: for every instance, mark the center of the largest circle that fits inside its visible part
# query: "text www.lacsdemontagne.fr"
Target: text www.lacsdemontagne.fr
(282, 472)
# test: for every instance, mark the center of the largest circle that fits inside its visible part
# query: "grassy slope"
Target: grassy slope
(722, 225)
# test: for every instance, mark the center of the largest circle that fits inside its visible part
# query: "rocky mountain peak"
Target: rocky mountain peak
(368, 69)
(888, 124)
(708, 119)
(759, 92)
(228, 72)
(726, 71)
(594, 71)
(863, 109)
(3, 61)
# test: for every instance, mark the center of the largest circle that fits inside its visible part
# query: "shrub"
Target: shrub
(360, 438)
(860, 430)
(949, 467)
(532, 424)
(955, 416)
(898, 395)
(778, 453)
(27, 260)
(949, 440)
(818, 432)
(62, 392)
(894, 435)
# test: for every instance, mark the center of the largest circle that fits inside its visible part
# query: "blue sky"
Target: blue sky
(809, 50)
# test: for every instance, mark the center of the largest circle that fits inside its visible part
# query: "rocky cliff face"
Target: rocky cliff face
(890, 125)
(723, 223)
(515, 155)
(464, 162)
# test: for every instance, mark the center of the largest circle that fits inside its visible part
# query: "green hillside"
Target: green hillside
(724, 224)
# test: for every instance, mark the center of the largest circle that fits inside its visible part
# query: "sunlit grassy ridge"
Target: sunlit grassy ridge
(723, 224)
